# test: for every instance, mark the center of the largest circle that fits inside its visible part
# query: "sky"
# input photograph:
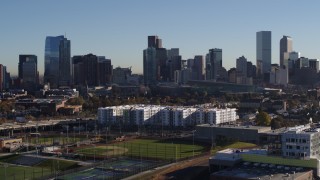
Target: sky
(118, 29)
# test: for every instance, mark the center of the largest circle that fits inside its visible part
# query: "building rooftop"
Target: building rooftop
(261, 171)
(259, 128)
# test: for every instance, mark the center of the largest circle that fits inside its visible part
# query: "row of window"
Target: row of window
(298, 147)
(293, 140)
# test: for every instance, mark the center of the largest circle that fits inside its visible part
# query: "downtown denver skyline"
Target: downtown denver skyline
(118, 29)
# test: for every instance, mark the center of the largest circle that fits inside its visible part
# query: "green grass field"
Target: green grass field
(146, 148)
(45, 168)
(22, 172)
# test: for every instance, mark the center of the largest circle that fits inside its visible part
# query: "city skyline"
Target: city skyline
(112, 28)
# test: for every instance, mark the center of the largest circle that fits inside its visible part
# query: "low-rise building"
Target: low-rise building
(165, 115)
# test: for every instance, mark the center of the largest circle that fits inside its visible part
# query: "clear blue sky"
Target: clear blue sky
(118, 29)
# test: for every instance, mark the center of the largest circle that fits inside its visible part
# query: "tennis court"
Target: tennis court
(115, 169)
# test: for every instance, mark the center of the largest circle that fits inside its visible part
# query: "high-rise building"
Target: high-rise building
(51, 60)
(213, 63)
(314, 64)
(22, 59)
(241, 66)
(4, 78)
(150, 66)
(105, 70)
(86, 70)
(154, 41)
(30, 74)
(30, 71)
(77, 74)
(285, 49)
(263, 52)
(121, 75)
(65, 78)
(198, 68)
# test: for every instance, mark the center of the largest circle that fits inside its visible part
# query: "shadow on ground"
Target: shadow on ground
(190, 173)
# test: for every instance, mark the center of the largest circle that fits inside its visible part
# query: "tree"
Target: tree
(263, 119)
(277, 122)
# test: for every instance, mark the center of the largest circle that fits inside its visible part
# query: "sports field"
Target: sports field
(114, 169)
(145, 148)
(17, 167)
(22, 172)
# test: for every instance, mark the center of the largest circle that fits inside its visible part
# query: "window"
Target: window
(298, 147)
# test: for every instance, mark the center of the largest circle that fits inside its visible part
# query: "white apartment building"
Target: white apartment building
(219, 116)
(110, 114)
(165, 116)
(301, 142)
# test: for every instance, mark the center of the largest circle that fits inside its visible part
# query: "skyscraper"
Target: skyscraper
(213, 63)
(65, 63)
(285, 49)
(22, 59)
(149, 66)
(154, 41)
(241, 70)
(4, 78)
(105, 70)
(51, 60)
(198, 68)
(30, 74)
(263, 52)
(91, 70)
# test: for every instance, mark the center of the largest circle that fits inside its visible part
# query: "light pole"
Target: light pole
(193, 142)
(5, 171)
(67, 139)
(94, 155)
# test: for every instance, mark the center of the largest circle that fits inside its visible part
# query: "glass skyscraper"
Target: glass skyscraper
(57, 61)
(263, 52)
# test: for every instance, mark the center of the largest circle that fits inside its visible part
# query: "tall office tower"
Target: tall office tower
(190, 63)
(314, 64)
(77, 72)
(65, 63)
(22, 59)
(241, 67)
(105, 70)
(232, 75)
(250, 70)
(121, 75)
(154, 41)
(198, 68)
(149, 66)
(263, 52)
(285, 49)
(213, 64)
(86, 70)
(161, 59)
(51, 60)
(30, 74)
(4, 79)
(174, 62)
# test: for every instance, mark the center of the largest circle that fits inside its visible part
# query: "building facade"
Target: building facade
(164, 115)
(52, 60)
(263, 52)
(285, 49)
(213, 64)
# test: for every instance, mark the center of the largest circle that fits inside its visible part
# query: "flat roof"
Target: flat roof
(262, 171)
(260, 128)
